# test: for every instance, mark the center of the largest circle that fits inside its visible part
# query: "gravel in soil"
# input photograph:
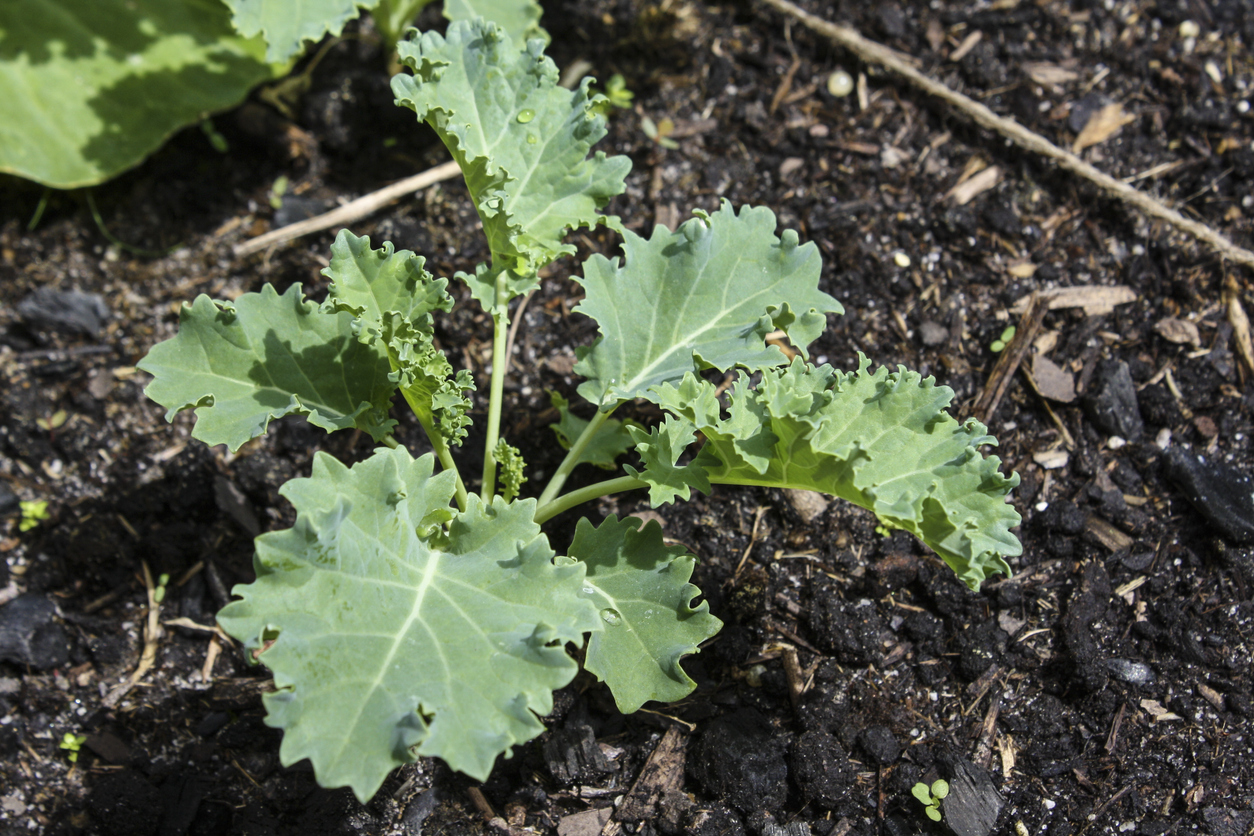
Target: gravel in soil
(1104, 688)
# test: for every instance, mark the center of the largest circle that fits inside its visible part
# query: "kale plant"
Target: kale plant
(403, 615)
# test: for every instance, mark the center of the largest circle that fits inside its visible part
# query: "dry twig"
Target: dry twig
(874, 53)
(349, 212)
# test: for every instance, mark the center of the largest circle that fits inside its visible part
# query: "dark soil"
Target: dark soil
(1105, 688)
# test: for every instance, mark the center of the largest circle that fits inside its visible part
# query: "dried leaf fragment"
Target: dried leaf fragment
(1102, 125)
(1052, 381)
(973, 186)
(1179, 331)
(1050, 75)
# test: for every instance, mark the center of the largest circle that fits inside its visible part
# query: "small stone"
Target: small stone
(587, 823)
(932, 333)
(30, 634)
(1133, 673)
(1222, 494)
(840, 84)
(64, 310)
(901, 260)
(809, 505)
(1111, 401)
(878, 742)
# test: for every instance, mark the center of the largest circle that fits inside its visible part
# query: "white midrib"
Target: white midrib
(415, 613)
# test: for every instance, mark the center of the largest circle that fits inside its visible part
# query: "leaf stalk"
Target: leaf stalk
(572, 457)
(565, 502)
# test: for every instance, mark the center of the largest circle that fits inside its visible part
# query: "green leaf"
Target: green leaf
(640, 586)
(92, 87)
(242, 364)
(921, 792)
(392, 298)
(933, 813)
(519, 18)
(287, 24)
(705, 296)
(402, 629)
(370, 283)
(522, 143)
(881, 440)
(660, 449)
(940, 788)
(611, 440)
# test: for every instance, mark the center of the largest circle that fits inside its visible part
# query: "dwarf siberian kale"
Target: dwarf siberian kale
(403, 615)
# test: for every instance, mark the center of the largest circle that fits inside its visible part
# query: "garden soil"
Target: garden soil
(1104, 688)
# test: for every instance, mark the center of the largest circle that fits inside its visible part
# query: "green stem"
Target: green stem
(500, 336)
(440, 448)
(390, 441)
(572, 457)
(567, 501)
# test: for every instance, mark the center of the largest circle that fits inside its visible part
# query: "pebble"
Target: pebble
(878, 742)
(1222, 494)
(1133, 673)
(1111, 401)
(64, 310)
(30, 634)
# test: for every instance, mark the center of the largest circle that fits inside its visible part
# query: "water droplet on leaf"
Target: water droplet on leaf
(525, 116)
(531, 139)
(610, 616)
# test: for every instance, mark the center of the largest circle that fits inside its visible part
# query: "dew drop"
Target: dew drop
(610, 616)
(525, 116)
(531, 139)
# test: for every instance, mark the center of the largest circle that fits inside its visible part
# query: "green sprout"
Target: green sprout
(158, 594)
(72, 743)
(32, 513)
(617, 93)
(930, 797)
(660, 132)
(1001, 342)
(277, 190)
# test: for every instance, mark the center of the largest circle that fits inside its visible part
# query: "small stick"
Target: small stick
(1011, 356)
(874, 53)
(1239, 321)
(349, 212)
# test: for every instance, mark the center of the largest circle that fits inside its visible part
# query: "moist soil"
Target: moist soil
(1104, 688)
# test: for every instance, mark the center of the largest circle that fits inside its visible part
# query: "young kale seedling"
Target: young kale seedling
(404, 616)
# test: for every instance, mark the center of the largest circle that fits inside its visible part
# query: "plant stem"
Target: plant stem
(500, 329)
(565, 502)
(440, 448)
(572, 457)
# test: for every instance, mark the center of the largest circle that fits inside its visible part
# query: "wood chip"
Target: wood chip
(1239, 321)
(1097, 300)
(1052, 381)
(1102, 125)
(1049, 75)
(662, 771)
(1105, 533)
(968, 44)
(1052, 459)
(1155, 710)
(1179, 331)
(972, 187)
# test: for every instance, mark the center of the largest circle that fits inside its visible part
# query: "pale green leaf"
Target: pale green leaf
(512, 469)
(401, 629)
(392, 298)
(369, 283)
(705, 296)
(610, 441)
(660, 449)
(92, 87)
(640, 586)
(241, 365)
(519, 18)
(521, 140)
(881, 440)
(287, 24)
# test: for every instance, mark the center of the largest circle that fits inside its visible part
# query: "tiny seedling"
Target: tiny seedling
(73, 743)
(405, 615)
(999, 344)
(930, 797)
(33, 512)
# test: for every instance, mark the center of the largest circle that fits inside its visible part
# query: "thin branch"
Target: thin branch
(874, 53)
(349, 212)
